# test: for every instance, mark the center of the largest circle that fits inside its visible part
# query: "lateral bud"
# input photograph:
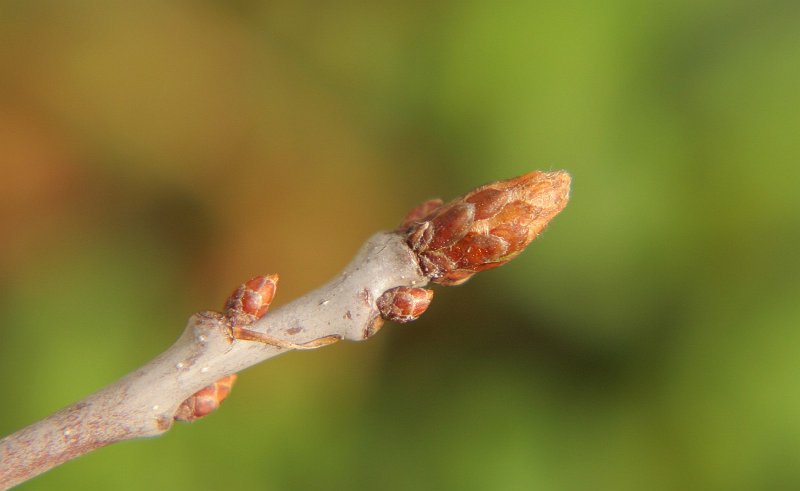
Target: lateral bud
(404, 304)
(206, 400)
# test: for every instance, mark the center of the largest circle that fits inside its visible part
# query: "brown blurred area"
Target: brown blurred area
(179, 120)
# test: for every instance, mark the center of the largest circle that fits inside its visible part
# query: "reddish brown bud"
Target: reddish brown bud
(487, 227)
(404, 304)
(251, 300)
(205, 400)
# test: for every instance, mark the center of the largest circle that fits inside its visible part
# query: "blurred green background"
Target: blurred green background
(155, 154)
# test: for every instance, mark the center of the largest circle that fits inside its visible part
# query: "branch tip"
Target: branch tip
(486, 227)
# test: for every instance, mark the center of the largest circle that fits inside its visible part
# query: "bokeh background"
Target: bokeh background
(154, 154)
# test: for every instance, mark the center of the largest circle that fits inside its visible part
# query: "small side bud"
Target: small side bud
(374, 324)
(251, 300)
(404, 304)
(206, 400)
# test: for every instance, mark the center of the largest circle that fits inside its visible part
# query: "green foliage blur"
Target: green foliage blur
(153, 155)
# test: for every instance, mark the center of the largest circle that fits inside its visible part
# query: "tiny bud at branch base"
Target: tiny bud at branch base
(206, 400)
(404, 304)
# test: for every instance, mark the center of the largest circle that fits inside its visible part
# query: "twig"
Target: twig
(440, 243)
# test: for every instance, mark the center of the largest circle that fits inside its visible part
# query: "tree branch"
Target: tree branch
(445, 244)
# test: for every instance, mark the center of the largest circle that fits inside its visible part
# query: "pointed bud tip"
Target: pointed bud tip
(549, 187)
